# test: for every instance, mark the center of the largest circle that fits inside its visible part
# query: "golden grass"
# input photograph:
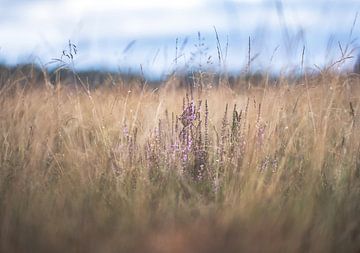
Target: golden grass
(99, 171)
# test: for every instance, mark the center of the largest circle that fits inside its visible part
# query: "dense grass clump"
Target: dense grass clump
(273, 167)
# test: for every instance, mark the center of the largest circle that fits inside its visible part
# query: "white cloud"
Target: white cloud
(125, 5)
(250, 1)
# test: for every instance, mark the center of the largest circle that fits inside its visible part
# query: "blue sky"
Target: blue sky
(38, 30)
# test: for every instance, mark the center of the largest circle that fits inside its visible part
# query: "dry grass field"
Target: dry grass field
(271, 167)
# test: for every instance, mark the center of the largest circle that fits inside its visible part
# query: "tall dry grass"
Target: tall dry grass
(270, 168)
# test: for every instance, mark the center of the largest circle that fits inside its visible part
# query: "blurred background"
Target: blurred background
(160, 36)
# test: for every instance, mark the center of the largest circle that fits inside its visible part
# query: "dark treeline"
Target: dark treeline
(31, 74)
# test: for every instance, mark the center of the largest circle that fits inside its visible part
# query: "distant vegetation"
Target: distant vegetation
(215, 164)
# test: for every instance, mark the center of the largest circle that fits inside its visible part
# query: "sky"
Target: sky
(159, 36)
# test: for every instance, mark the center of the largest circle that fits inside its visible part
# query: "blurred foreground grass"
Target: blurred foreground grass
(268, 168)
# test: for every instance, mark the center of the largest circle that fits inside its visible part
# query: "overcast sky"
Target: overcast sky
(38, 30)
